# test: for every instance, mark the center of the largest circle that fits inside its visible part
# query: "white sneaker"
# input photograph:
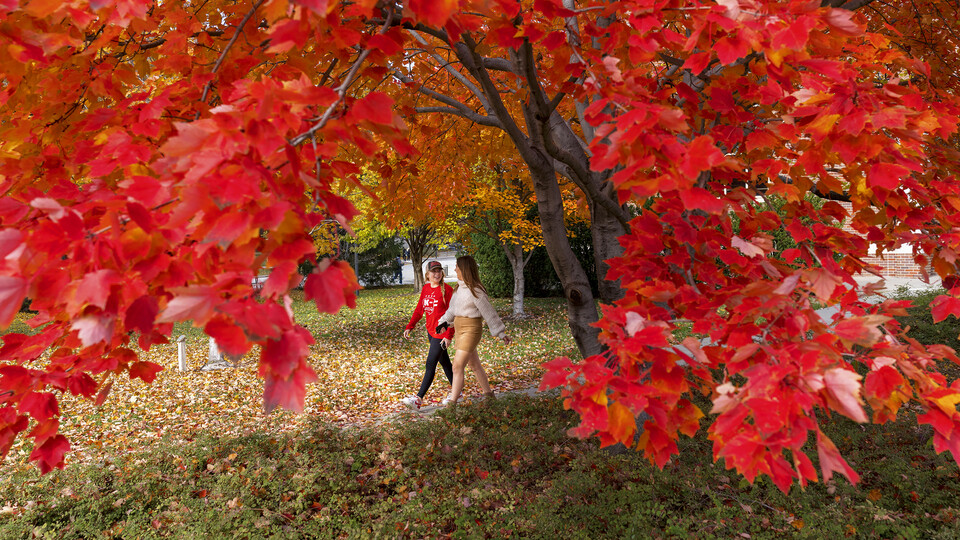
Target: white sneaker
(447, 401)
(412, 402)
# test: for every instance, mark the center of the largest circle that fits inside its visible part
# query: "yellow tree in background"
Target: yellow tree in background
(502, 206)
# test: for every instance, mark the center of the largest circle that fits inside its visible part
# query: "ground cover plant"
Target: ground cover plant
(497, 469)
(363, 365)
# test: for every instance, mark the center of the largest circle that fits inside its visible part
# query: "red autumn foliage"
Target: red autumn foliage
(157, 156)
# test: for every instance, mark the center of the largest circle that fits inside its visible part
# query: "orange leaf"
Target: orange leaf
(623, 425)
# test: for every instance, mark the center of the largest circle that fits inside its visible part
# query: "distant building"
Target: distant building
(896, 263)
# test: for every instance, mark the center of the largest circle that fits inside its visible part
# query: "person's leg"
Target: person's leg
(459, 365)
(477, 367)
(444, 359)
(431, 368)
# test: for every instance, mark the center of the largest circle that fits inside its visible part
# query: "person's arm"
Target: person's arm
(417, 314)
(445, 322)
(489, 314)
(447, 295)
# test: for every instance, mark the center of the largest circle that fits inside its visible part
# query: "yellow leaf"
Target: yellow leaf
(948, 403)
(776, 57)
(822, 125)
(874, 495)
(797, 524)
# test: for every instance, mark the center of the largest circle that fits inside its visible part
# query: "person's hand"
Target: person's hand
(441, 327)
(444, 343)
(506, 340)
(406, 334)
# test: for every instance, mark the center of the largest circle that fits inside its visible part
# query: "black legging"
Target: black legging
(436, 354)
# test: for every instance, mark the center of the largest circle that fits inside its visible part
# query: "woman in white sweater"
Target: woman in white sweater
(469, 307)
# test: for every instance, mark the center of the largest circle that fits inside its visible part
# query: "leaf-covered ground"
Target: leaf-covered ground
(364, 366)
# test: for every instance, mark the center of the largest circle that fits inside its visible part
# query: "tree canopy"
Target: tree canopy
(145, 146)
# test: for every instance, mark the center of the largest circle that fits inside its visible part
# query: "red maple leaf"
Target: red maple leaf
(141, 314)
(147, 371)
(39, 405)
(194, 303)
(331, 288)
(12, 292)
(943, 306)
(229, 337)
(50, 453)
(831, 461)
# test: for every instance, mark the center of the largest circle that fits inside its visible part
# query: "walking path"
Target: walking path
(428, 410)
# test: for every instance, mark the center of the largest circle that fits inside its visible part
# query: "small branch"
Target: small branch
(223, 55)
(446, 66)
(341, 92)
(160, 41)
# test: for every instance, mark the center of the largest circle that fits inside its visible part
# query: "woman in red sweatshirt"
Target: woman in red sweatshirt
(434, 299)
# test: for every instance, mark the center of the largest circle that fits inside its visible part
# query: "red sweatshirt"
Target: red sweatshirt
(433, 302)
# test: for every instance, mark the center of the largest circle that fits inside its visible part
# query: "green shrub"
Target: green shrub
(540, 279)
(920, 320)
(495, 269)
(377, 266)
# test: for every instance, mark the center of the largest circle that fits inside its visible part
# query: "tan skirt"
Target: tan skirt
(468, 331)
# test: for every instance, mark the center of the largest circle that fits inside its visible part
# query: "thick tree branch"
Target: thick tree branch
(552, 126)
(466, 52)
(499, 64)
(467, 114)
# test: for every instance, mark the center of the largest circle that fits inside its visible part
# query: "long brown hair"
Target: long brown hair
(470, 273)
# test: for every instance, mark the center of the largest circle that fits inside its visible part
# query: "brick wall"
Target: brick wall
(898, 263)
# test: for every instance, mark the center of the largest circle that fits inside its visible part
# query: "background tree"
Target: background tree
(504, 90)
(502, 206)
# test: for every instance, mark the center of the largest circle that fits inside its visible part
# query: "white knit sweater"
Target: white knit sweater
(464, 304)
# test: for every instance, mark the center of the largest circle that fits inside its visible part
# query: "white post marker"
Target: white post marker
(214, 357)
(182, 352)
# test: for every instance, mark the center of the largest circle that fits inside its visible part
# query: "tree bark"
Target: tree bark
(605, 230)
(518, 262)
(418, 240)
(581, 306)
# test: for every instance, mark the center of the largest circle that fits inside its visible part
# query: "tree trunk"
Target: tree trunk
(581, 306)
(416, 258)
(514, 254)
(418, 239)
(606, 230)
(532, 146)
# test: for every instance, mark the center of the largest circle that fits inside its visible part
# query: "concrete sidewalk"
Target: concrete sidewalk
(892, 284)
